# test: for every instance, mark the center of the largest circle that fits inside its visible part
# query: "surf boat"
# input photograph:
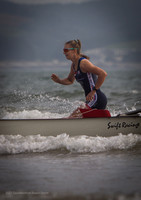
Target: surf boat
(94, 123)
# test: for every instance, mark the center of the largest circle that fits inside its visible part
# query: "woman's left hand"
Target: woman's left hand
(90, 96)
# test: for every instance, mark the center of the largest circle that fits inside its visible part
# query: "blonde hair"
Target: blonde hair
(77, 44)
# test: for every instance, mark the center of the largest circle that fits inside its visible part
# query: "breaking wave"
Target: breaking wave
(11, 144)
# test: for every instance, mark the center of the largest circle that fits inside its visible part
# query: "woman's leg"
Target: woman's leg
(78, 112)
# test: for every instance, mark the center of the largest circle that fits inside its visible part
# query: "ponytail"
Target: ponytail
(77, 44)
(84, 56)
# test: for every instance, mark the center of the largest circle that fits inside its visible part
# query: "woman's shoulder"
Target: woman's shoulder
(84, 62)
(87, 66)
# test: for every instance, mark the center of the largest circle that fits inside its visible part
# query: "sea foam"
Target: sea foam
(11, 144)
(33, 114)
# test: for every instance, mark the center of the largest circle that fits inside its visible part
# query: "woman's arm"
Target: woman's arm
(87, 66)
(67, 81)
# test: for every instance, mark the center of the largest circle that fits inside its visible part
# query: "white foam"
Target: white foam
(135, 91)
(32, 114)
(116, 111)
(11, 144)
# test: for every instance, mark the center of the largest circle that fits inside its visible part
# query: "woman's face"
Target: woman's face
(68, 52)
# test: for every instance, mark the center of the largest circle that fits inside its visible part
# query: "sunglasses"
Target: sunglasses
(68, 49)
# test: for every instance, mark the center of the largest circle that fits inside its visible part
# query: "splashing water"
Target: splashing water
(81, 144)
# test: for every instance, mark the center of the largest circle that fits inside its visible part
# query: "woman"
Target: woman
(88, 75)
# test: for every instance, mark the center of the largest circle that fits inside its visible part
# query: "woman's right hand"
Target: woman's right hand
(55, 78)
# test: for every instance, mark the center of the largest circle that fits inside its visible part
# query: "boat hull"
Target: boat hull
(90, 126)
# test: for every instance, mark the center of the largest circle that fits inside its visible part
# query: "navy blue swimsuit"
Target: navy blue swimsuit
(87, 81)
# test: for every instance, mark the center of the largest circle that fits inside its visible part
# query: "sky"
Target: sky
(49, 1)
(36, 30)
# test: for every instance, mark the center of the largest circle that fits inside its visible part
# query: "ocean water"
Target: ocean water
(65, 167)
